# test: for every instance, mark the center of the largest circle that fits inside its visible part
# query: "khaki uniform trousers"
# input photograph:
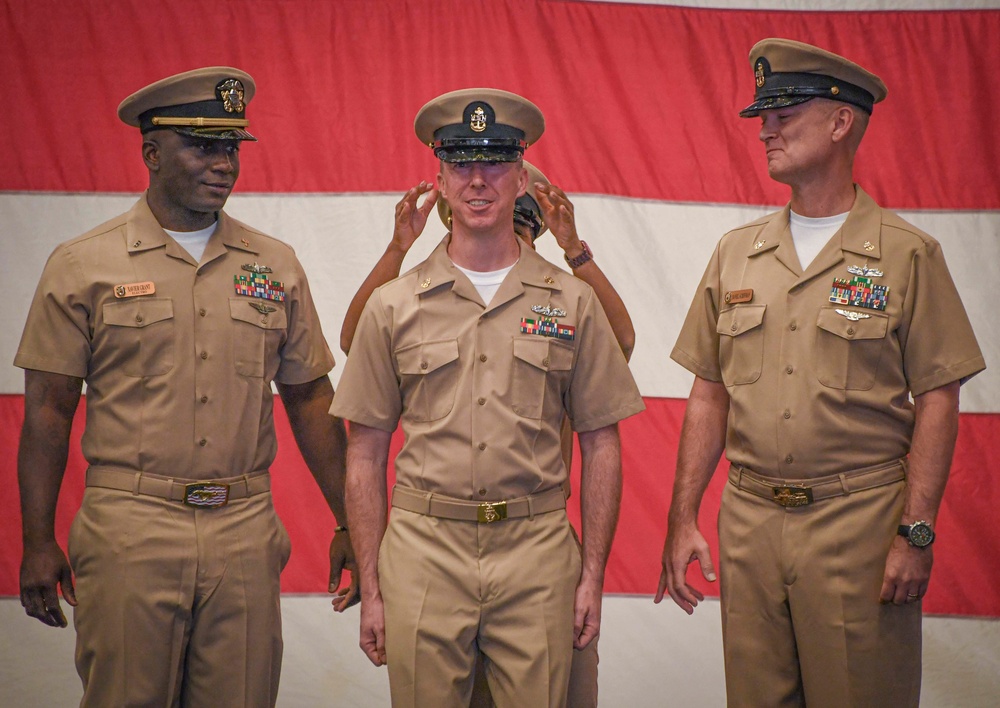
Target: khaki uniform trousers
(582, 681)
(177, 606)
(455, 588)
(801, 618)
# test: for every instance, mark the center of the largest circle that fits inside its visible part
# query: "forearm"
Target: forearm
(611, 301)
(50, 404)
(367, 457)
(703, 438)
(386, 269)
(934, 434)
(320, 437)
(600, 498)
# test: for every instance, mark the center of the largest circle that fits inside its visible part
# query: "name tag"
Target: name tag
(134, 289)
(738, 296)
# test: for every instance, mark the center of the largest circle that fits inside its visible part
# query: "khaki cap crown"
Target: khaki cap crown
(209, 102)
(787, 72)
(479, 124)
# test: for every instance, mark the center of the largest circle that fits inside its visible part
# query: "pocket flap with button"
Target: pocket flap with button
(544, 354)
(874, 326)
(425, 357)
(245, 311)
(138, 313)
(740, 319)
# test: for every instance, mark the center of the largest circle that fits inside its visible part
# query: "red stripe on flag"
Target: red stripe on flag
(640, 100)
(962, 583)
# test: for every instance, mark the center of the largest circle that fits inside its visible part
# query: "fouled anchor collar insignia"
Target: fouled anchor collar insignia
(548, 310)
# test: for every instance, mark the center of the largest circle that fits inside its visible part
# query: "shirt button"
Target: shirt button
(481, 401)
(263, 320)
(204, 355)
(787, 414)
(789, 459)
(482, 357)
(482, 491)
(793, 326)
(203, 442)
(138, 318)
(423, 365)
(201, 312)
(545, 362)
(482, 446)
(735, 327)
(788, 369)
(204, 399)
(850, 331)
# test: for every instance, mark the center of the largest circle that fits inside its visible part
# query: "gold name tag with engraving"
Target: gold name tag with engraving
(134, 289)
(738, 296)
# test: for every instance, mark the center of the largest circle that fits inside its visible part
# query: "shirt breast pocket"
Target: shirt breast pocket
(141, 335)
(429, 379)
(741, 343)
(541, 368)
(848, 351)
(257, 336)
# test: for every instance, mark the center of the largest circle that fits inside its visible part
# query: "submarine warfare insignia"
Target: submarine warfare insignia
(256, 268)
(853, 316)
(261, 307)
(865, 271)
(548, 310)
(548, 327)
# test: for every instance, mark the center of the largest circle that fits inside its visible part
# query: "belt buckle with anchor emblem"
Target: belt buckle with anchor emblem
(792, 496)
(488, 512)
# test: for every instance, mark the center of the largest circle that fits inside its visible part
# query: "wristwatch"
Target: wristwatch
(578, 261)
(919, 534)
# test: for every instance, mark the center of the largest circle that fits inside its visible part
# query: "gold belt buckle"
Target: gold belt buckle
(488, 512)
(793, 496)
(206, 494)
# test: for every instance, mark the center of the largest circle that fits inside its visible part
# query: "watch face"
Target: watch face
(921, 535)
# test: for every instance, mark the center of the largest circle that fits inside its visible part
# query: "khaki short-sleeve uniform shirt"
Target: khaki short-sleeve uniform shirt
(178, 357)
(480, 390)
(820, 364)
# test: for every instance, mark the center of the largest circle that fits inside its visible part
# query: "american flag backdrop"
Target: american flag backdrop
(641, 105)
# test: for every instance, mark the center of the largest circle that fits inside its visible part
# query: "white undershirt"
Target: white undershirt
(487, 283)
(193, 242)
(811, 234)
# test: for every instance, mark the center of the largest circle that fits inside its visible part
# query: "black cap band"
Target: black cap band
(788, 89)
(479, 149)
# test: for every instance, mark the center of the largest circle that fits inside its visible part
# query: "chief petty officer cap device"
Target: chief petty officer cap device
(479, 125)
